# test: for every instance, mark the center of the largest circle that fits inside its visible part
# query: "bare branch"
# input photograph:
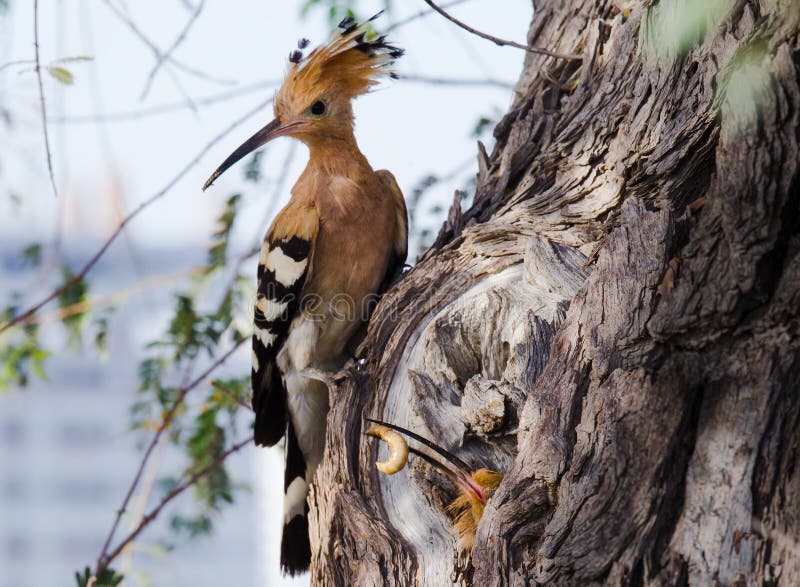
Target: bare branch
(180, 488)
(41, 98)
(443, 81)
(165, 108)
(497, 40)
(116, 297)
(17, 62)
(152, 199)
(168, 53)
(157, 52)
(418, 15)
(104, 558)
(231, 394)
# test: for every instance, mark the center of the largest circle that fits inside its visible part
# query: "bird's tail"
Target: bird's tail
(295, 546)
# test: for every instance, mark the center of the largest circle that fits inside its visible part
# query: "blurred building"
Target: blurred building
(67, 459)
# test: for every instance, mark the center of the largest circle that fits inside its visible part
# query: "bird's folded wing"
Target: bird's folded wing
(284, 267)
(400, 240)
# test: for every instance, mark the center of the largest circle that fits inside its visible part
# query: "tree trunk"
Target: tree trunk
(613, 324)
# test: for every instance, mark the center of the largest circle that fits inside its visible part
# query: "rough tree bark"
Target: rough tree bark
(613, 323)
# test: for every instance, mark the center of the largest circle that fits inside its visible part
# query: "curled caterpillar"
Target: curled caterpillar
(398, 449)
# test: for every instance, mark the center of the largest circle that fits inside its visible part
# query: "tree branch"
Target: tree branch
(230, 394)
(115, 297)
(157, 52)
(104, 558)
(497, 40)
(41, 98)
(152, 199)
(418, 15)
(168, 53)
(17, 62)
(153, 514)
(443, 81)
(165, 108)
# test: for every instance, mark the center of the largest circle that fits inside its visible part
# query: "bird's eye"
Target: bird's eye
(318, 107)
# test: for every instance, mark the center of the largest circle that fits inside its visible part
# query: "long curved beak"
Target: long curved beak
(454, 468)
(273, 130)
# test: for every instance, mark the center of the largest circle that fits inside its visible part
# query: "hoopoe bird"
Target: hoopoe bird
(474, 487)
(337, 244)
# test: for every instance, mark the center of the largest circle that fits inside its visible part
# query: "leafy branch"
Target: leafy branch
(105, 558)
(191, 480)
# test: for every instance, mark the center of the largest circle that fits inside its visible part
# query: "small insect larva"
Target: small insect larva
(398, 449)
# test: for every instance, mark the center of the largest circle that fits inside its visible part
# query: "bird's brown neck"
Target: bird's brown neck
(336, 155)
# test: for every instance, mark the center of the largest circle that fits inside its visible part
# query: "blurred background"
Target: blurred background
(141, 100)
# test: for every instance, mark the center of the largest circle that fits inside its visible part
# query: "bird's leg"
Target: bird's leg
(318, 374)
(331, 379)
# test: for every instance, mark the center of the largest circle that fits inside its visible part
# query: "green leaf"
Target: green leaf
(219, 249)
(69, 299)
(108, 578)
(335, 10)
(229, 394)
(74, 59)
(20, 357)
(204, 446)
(252, 171)
(185, 329)
(745, 84)
(101, 325)
(32, 255)
(194, 527)
(672, 28)
(61, 75)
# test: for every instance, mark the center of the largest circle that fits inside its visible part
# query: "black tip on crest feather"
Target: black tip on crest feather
(302, 43)
(295, 56)
(347, 22)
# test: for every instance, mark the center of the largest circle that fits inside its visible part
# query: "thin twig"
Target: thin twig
(466, 82)
(418, 15)
(118, 199)
(139, 506)
(157, 52)
(168, 53)
(165, 108)
(17, 62)
(116, 297)
(104, 558)
(155, 197)
(180, 488)
(497, 40)
(230, 393)
(41, 98)
(249, 89)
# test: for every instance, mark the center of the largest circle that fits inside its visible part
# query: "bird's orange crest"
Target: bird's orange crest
(348, 66)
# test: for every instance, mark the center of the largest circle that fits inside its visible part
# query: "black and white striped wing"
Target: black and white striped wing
(282, 272)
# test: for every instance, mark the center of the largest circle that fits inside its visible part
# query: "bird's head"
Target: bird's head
(314, 102)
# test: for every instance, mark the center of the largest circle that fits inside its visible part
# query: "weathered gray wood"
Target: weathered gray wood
(614, 323)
